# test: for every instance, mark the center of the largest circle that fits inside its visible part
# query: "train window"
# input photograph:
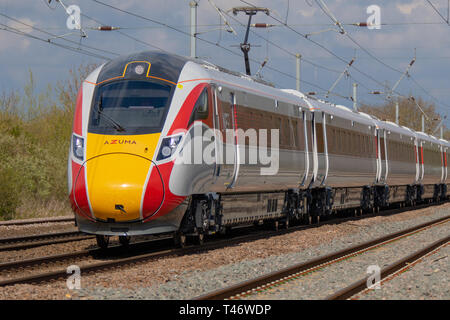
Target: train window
(343, 142)
(285, 132)
(358, 144)
(201, 108)
(130, 107)
(295, 133)
(347, 142)
(362, 145)
(350, 143)
(296, 110)
(367, 146)
(333, 140)
(320, 138)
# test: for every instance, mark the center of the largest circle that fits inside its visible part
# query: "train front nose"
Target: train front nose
(115, 186)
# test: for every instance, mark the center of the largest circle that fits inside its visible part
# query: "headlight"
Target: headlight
(78, 147)
(168, 147)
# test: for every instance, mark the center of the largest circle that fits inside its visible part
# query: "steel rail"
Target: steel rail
(134, 248)
(277, 276)
(27, 242)
(361, 285)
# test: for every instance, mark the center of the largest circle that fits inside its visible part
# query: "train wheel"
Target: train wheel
(102, 241)
(124, 240)
(200, 239)
(180, 240)
(286, 223)
(275, 225)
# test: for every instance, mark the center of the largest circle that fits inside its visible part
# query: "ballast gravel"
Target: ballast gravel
(428, 279)
(9, 231)
(326, 281)
(189, 276)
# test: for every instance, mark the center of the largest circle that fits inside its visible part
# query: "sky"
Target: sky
(409, 29)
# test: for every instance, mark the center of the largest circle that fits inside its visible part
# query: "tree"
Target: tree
(409, 114)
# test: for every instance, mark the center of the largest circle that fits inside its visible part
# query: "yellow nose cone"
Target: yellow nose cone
(115, 185)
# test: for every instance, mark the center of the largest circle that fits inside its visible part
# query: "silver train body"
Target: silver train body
(321, 158)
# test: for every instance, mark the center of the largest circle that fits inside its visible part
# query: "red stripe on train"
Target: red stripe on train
(183, 116)
(79, 198)
(78, 117)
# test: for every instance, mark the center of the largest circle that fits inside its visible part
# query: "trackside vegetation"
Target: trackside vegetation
(35, 130)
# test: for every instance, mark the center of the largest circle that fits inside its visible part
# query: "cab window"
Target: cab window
(201, 108)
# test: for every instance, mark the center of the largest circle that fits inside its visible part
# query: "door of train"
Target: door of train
(444, 163)
(421, 165)
(227, 170)
(308, 143)
(382, 155)
(218, 151)
(416, 154)
(320, 149)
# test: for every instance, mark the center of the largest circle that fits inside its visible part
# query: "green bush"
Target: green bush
(35, 132)
(9, 195)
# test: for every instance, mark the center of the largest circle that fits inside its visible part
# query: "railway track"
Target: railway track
(281, 277)
(36, 221)
(395, 268)
(147, 250)
(26, 242)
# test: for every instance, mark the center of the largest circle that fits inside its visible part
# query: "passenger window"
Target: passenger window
(201, 108)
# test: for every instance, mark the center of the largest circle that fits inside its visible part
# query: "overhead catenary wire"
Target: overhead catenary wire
(54, 35)
(126, 34)
(210, 43)
(324, 48)
(327, 11)
(364, 49)
(286, 50)
(438, 12)
(74, 49)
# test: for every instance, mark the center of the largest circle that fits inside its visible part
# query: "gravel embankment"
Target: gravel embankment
(428, 279)
(188, 276)
(7, 231)
(326, 281)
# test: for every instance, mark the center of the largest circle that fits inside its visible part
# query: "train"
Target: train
(169, 145)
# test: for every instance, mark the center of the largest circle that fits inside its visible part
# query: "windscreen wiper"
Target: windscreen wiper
(114, 123)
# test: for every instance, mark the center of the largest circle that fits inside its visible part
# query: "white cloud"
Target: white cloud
(11, 41)
(407, 8)
(307, 12)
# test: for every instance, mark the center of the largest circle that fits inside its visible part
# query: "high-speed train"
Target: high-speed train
(164, 144)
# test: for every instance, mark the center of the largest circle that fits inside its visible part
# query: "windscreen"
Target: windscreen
(130, 107)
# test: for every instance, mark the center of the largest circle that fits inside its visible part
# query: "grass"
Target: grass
(35, 132)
